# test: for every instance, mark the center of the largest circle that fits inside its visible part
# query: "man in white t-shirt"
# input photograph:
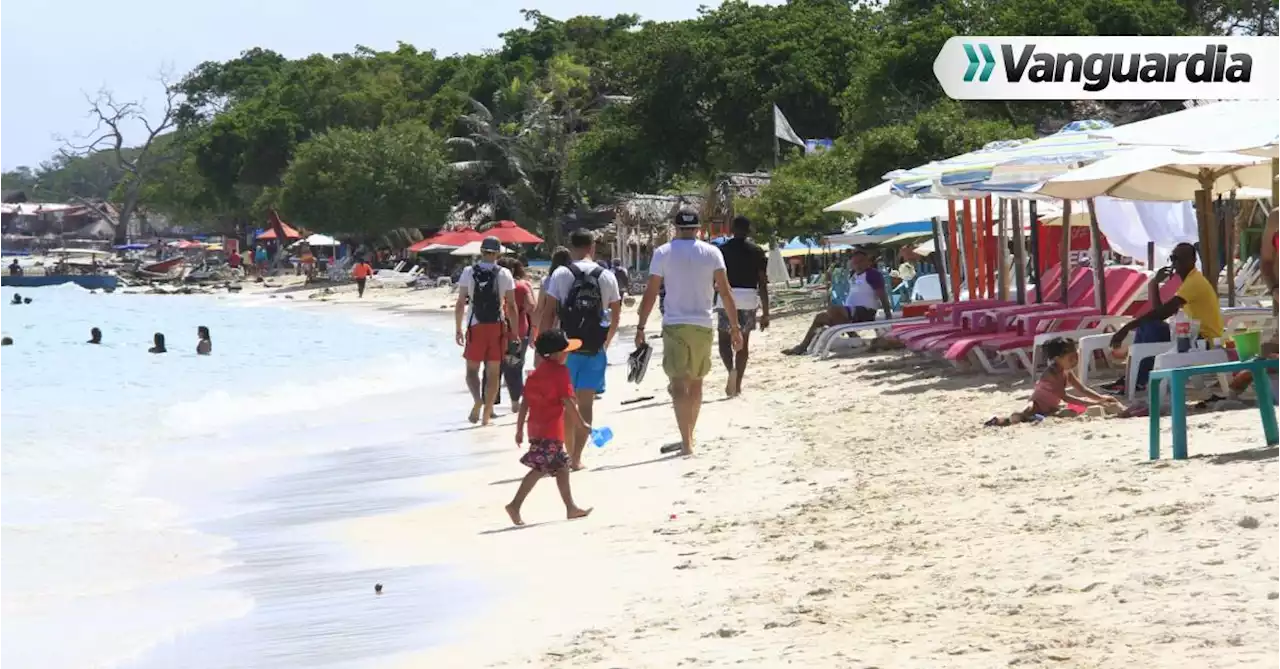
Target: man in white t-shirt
(487, 299)
(589, 315)
(693, 272)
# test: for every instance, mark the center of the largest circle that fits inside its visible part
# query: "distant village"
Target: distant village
(34, 226)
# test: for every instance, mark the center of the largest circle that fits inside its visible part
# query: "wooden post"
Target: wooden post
(953, 250)
(1275, 186)
(1019, 253)
(1095, 259)
(1208, 258)
(1228, 243)
(995, 260)
(979, 287)
(1002, 278)
(1035, 249)
(941, 255)
(970, 253)
(1065, 253)
(1151, 256)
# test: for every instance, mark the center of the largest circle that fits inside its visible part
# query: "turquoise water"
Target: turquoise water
(161, 510)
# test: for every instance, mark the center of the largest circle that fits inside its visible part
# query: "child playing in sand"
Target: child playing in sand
(547, 394)
(1051, 390)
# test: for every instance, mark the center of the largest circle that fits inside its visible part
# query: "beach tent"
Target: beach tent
(508, 232)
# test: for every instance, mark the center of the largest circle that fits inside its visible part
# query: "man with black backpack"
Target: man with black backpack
(486, 331)
(586, 299)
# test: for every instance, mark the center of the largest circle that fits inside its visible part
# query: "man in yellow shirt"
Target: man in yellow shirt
(1196, 296)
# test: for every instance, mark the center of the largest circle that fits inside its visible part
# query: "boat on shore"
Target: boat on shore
(103, 282)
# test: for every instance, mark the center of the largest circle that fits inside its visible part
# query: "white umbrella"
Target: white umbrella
(903, 210)
(1157, 173)
(318, 240)
(471, 249)
(866, 202)
(437, 248)
(87, 252)
(1242, 126)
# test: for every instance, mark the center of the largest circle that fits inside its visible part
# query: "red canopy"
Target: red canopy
(457, 237)
(289, 232)
(508, 232)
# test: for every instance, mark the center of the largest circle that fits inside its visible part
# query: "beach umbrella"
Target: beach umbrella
(318, 240)
(867, 202)
(1234, 126)
(289, 232)
(508, 232)
(471, 249)
(1158, 173)
(459, 237)
(132, 247)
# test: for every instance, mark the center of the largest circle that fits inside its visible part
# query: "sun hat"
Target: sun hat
(552, 342)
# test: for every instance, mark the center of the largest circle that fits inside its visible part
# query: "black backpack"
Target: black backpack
(582, 311)
(486, 307)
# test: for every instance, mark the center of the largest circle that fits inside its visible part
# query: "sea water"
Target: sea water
(161, 510)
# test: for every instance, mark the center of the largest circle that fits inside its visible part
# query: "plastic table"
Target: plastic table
(1177, 379)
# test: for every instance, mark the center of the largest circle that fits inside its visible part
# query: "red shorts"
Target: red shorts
(486, 342)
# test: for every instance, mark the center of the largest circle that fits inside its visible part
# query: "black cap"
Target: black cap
(491, 245)
(686, 218)
(552, 342)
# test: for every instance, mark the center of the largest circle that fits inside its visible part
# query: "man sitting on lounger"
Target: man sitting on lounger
(1195, 296)
(866, 293)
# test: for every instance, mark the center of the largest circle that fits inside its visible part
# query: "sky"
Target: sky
(55, 52)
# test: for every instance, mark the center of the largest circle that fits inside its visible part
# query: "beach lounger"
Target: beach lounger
(922, 339)
(1009, 352)
(847, 337)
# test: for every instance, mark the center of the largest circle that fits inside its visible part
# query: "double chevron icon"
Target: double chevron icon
(988, 62)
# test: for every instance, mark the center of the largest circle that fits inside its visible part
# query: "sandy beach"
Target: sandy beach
(850, 513)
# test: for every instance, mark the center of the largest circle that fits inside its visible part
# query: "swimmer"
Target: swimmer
(95, 336)
(159, 344)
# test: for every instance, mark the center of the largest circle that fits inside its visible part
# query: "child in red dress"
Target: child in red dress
(547, 394)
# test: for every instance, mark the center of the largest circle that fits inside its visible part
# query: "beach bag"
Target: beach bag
(582, 313)
(486, 307)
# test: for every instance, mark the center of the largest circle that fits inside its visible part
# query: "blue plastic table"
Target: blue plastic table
(1177, 379)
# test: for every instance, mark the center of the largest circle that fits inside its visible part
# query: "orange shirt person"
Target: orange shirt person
(361, 273)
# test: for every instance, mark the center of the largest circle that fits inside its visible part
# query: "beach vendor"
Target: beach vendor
(583, 296)
(693, 272)
(1196, 297)
(867, 293)
(486, 297)
(1050, 394)
(746, 266)
(549, 402)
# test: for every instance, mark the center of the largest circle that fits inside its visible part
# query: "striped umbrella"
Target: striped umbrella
(1011, 165)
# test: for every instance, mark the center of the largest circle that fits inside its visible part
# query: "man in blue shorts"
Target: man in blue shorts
(585, 298)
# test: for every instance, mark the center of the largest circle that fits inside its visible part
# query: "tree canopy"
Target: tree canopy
(569, 113)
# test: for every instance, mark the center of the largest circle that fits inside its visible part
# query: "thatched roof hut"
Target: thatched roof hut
(729, 187)
(642, 222)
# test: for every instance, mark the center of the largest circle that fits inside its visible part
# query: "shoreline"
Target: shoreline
(850, 513)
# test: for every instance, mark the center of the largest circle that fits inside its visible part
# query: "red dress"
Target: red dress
(545, 391)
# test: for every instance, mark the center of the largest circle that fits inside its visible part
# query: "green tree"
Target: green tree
(367, 183)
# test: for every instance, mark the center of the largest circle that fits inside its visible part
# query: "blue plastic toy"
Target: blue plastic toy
(601, 436)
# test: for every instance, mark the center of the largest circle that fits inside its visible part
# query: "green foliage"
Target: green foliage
(579, 110)
(366, 183)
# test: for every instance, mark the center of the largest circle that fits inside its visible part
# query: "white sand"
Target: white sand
(855, 514)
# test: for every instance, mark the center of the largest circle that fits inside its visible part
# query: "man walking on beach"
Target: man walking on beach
(491, 315)
(693, 272)
(585, 298)
(745, 265)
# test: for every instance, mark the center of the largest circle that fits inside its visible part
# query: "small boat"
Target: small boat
(103, 282)
(164, 266)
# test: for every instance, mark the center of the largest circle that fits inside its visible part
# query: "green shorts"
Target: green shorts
(686, 351)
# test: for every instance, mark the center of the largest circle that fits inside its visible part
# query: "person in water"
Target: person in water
(159, 344)
(26, 300)
(6, 341)
(95, 336)
(205, 345)
(17, 299)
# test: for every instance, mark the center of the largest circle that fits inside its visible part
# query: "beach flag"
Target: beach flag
(782, 129)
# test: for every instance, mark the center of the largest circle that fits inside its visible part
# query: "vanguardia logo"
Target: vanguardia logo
(1118, 68)
(988, 62)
